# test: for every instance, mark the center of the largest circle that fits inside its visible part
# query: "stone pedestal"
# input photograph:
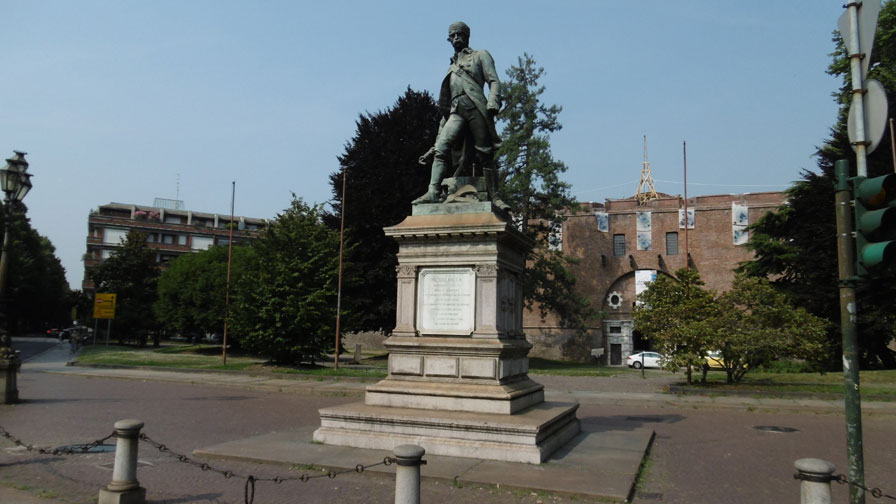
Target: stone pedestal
(458, 379)
(8, 385)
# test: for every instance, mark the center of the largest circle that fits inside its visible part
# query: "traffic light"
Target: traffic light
(875, 200)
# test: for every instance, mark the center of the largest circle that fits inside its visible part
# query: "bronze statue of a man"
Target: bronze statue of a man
(467, 133)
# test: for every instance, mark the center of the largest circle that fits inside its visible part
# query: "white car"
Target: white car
(647, 359)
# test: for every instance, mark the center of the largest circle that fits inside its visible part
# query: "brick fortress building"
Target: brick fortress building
(622, 245)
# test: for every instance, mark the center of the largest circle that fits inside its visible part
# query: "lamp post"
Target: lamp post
(15, 181)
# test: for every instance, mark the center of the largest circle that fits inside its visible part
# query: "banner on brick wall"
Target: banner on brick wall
(740, 219)
(691, 218)
(644, 231)
(603, 221)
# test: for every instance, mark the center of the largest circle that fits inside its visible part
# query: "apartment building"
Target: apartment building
(170, 230)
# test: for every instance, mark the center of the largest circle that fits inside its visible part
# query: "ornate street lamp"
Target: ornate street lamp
(15, 181)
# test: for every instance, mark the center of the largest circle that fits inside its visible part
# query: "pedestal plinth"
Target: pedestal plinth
(458, 380)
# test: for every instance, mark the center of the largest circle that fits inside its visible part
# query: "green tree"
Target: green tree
(284, 302)
(192, 290)
(795, 246)
(131, 272)
(756, 324)
(538, 197)
(383, 178)
(36, 288)
(677, 315)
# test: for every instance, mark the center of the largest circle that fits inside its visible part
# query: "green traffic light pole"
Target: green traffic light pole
(848, 314)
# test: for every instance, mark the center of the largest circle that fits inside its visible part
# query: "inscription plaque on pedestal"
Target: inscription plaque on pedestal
(446, 301)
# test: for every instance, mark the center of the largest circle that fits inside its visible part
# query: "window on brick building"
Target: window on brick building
(619, 245)
(168, 239)
(671, 243)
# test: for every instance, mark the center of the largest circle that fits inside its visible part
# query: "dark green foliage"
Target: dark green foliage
(192, 291)
(533, 189)
(132, 274)
(284, 302)
(756, 324)
(36, 288)
(796, 245)
(383, 178)
(749, 325)
(676, 314)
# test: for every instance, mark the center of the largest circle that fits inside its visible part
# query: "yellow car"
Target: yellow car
(714, 360)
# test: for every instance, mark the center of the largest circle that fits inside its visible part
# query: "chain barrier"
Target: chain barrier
(877, 493)
(73, 449)
(251, 480)
(249, 489)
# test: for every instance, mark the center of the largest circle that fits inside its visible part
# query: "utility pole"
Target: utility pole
(339, 287)
(229, 261)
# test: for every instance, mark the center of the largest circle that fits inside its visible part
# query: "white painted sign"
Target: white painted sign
(642, 281)
(446, 301)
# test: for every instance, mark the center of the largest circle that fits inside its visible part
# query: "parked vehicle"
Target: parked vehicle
(77, 331)
(647, 359)
(714, 360)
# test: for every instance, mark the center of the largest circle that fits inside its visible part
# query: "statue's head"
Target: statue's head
(459, 35)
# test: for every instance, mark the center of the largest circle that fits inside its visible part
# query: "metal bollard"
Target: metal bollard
(124, 488)
(408, 458)
(816, 476)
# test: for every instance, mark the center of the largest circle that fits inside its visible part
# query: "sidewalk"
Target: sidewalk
(557, 388)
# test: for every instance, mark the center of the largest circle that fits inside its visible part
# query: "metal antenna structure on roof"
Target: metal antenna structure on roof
(646, 191)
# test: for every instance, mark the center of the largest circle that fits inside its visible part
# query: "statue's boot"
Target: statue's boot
(491, 184)
(430, 196)
(438, 170)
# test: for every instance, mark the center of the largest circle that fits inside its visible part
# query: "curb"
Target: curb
(687, 390)
(160, 369)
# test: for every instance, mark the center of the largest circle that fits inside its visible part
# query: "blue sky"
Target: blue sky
(115, 101)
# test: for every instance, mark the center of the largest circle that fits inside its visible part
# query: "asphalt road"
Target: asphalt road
(30, 347)
(698, 456)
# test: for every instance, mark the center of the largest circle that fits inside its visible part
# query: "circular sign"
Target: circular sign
(875, 116)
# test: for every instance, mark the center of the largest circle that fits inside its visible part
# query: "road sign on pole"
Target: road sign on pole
(875, 116)
(868, 11)
(104, 306)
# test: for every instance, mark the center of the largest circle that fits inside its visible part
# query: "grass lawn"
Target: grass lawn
(880, 383)
(172, 356)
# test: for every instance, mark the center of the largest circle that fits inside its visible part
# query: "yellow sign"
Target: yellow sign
(104, 306)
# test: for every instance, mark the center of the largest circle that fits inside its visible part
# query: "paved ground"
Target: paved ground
(706, 449)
